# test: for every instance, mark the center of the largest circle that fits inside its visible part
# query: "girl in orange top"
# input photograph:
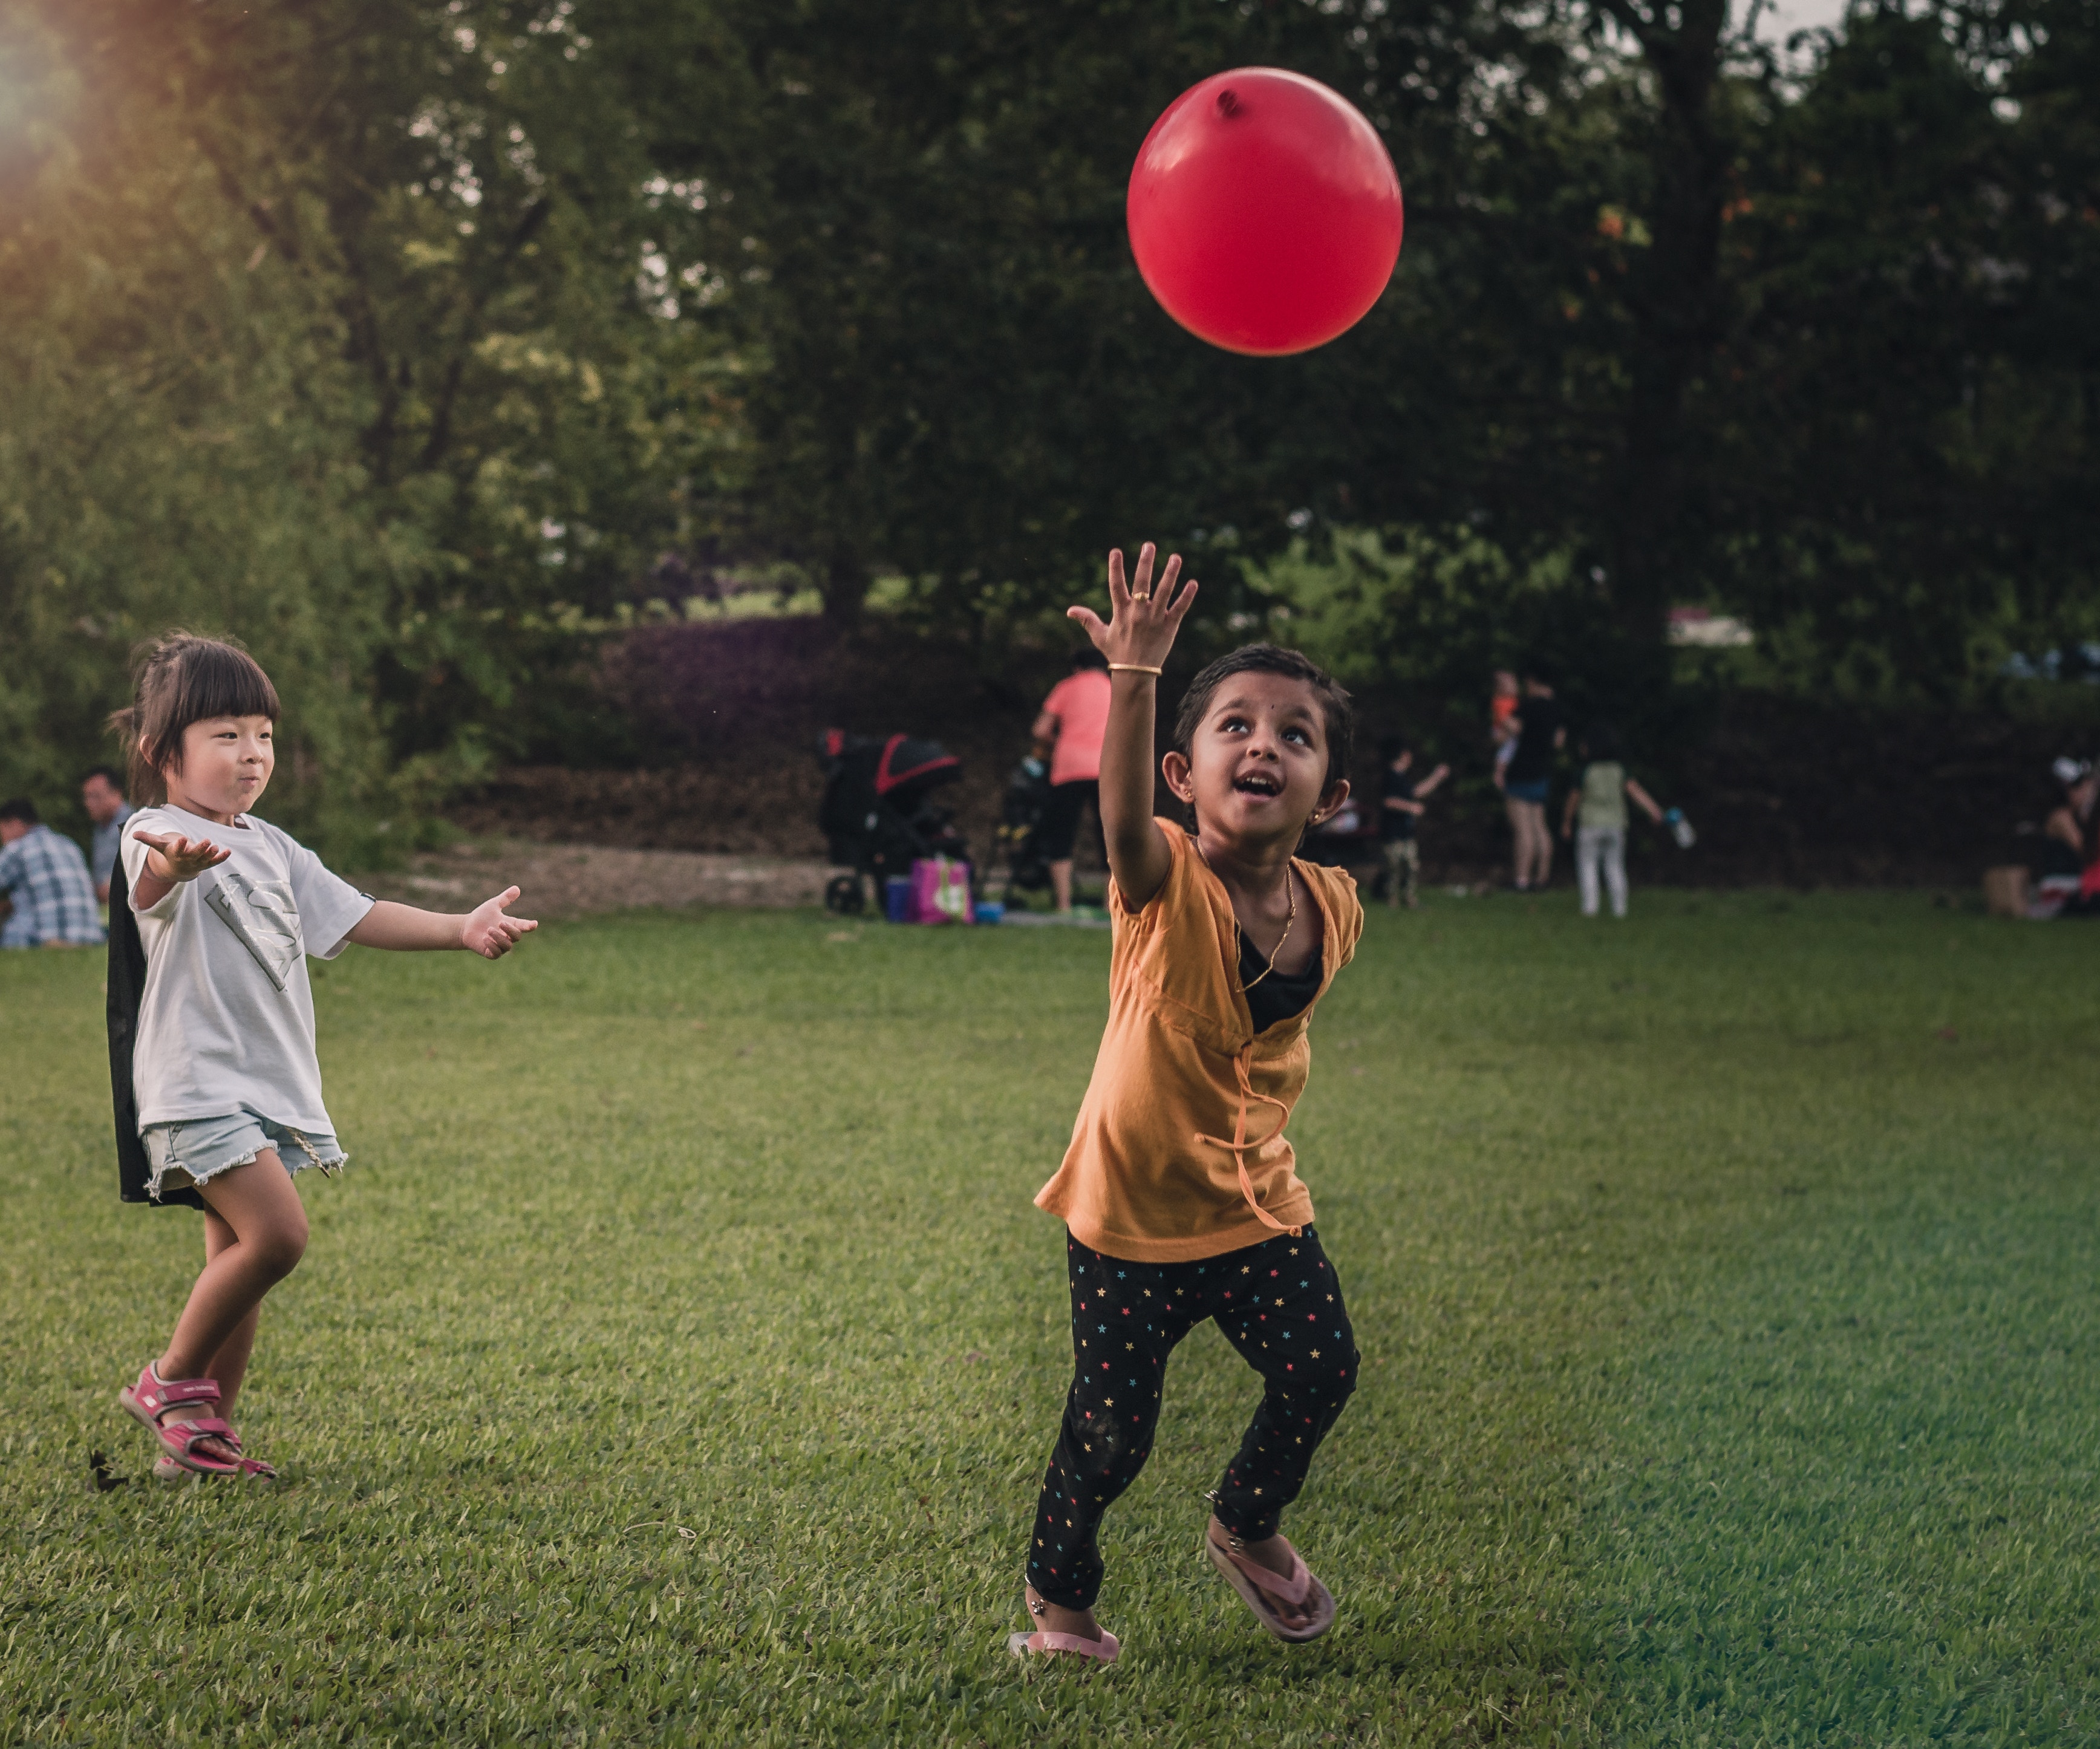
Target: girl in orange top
(1178, 1192)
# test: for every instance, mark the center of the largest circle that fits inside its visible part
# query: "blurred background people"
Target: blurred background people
(1402, 794)
(1074, 719)
(2069, 884)
(51, 900)
(102, 794)
(1337, 841)
(2064, 831)
(1502, 721)
(1596, 817)
(1528, 778)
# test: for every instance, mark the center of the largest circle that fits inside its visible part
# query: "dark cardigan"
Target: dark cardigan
(127, 986)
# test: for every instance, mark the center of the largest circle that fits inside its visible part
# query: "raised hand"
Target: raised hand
(487, 931)
(179, 858)
(1143, 620)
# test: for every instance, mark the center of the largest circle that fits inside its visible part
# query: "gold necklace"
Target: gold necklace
(1239, 935)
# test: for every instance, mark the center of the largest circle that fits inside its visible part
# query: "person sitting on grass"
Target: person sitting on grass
(217, 1088)
(1400, 807)
(1224, 942)
(43, 879)
(1596, 816)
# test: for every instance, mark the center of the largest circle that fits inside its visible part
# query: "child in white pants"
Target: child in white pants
(1595, 816)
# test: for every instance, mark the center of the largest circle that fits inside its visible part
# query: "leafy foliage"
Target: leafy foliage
(418, 341)
(308, 337)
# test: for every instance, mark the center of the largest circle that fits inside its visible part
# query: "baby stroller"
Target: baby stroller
(1021, 828)
(878, 815)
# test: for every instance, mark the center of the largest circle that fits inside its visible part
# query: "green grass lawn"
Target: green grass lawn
(679, 1359)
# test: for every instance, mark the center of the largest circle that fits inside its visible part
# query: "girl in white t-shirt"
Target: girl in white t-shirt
(225, 1089)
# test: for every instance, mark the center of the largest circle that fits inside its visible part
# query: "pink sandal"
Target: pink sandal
(153, 1396)
(1257, 1585)
(166, 1468)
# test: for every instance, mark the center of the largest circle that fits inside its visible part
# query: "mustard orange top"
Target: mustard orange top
(1179, 1150)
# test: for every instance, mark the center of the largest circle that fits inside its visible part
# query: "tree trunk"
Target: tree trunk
(1662, 525)
(844, 586)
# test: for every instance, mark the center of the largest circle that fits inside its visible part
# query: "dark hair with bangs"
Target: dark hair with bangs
(183, 680)
(1336, 712)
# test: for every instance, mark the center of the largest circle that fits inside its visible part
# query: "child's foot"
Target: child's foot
(201, 1442)
(1054, 1618)
(166, 1468)
(1291, 1618)
(1057, 1629)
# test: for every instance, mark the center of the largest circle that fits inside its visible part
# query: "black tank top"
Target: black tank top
(1279, 995)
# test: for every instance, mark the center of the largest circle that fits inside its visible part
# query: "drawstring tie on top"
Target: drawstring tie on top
(1239, 1144)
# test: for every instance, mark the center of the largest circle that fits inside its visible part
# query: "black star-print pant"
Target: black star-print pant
(1278, 1302)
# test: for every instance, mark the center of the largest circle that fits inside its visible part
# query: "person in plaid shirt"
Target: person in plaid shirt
(51, 899)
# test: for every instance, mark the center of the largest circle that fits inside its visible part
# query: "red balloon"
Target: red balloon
(1265, 212)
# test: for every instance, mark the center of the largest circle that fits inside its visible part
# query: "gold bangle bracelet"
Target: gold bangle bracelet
(1133, 668)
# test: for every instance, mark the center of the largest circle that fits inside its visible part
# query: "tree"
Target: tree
(1909, 453)
(331, 324)
(914, 216)
(174, 426)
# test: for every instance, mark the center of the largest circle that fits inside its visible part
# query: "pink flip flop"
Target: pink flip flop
(1103, 1650)
(1042, 1642)
(1257, 1585)
(153, 1396)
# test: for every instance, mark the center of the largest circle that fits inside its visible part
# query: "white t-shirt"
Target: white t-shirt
(226, 1022)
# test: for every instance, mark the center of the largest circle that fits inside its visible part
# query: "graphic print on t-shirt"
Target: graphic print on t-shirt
(264, 917)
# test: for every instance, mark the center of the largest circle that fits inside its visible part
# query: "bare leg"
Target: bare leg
(255, 1233)
(1541, 844)
(1534, 849)
(1520, 842)
(229, 1366)
(1060, 882)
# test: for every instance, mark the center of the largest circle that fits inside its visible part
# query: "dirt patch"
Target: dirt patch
(571, 880)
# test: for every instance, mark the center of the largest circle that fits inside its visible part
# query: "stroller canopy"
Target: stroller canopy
(906, 761)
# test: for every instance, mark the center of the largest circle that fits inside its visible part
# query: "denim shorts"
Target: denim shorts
(1534, 792)
(205, 1147)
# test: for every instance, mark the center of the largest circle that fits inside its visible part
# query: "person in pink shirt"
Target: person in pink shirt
(1074, 719)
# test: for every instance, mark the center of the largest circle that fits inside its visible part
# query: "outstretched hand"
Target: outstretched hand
(487, 931)
(180, 858)
(1143, 620)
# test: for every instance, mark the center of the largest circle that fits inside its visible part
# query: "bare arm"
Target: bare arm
(1645, 799)
(1140, 631)
(1430, 783)
(170, 860)
(485, 930)
(1045, 731)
